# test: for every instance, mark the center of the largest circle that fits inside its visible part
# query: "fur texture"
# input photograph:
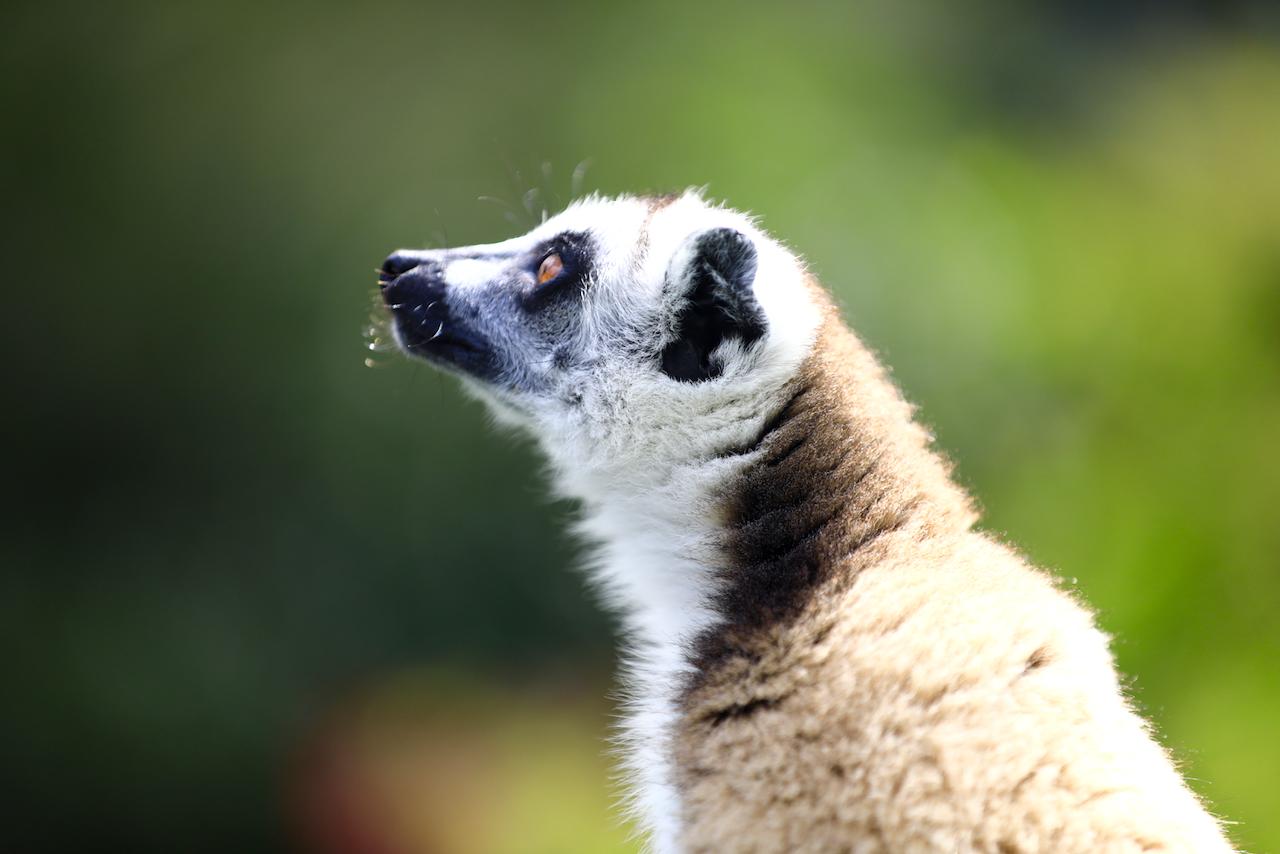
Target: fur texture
(823, 655)
(886, 679)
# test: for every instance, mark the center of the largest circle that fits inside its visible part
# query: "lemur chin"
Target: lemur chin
(823, 654)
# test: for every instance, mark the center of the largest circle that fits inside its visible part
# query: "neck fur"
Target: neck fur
(709, 554)
(657, 562)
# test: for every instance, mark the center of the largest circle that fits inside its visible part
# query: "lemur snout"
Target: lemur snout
(425, 322)
(407, 277)
(398, 263)
(411, 285)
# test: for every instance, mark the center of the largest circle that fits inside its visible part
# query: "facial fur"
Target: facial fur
(673, 322)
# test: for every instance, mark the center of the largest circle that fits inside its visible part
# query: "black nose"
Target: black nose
(412, 285)
(398, 263)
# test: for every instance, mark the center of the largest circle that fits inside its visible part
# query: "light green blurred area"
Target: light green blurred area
(229, 541)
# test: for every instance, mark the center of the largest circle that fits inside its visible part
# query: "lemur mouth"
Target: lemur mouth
(425, 326)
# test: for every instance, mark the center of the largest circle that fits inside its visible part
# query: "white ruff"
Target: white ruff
(655, 562)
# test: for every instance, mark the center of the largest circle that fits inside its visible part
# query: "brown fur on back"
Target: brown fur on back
(886, 679)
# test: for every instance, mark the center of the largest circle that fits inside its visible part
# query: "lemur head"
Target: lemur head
(628, 334)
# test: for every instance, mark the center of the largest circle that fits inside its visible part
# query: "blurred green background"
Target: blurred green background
(257, 596)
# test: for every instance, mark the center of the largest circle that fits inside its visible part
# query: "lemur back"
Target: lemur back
(887, 679)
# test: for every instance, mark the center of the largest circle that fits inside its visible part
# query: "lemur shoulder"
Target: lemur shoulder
(823, 654)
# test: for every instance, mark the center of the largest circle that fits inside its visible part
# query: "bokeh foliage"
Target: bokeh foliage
(1059, 223)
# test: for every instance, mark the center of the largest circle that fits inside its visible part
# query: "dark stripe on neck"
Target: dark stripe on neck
(799, 518)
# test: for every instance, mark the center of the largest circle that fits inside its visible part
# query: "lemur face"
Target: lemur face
(614, 324)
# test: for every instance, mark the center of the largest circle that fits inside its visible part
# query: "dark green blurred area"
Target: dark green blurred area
(1059, 223)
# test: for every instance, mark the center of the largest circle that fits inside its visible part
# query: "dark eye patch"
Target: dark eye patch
(577, 254)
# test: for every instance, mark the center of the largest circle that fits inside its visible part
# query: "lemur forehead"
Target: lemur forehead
(621, 227)
(615, 223)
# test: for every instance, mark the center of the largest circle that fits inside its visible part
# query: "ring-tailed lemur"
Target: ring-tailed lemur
(823, 654)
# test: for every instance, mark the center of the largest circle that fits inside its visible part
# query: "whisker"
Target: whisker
(579, 175)
(529, 199)
(377, 334)
(427, 316)
(443, 230)
(496, 200)
(519, 185)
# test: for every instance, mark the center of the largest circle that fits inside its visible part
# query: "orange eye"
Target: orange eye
(551, 267)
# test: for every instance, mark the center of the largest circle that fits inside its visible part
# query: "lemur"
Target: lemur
(822, 653)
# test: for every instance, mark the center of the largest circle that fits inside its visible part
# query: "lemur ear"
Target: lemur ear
(711, 277)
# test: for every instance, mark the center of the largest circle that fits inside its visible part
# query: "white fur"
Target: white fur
(642, 452)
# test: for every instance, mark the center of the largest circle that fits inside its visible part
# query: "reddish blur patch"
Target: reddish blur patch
(391, 774)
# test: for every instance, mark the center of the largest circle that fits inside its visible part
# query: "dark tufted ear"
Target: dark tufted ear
(711, 279)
